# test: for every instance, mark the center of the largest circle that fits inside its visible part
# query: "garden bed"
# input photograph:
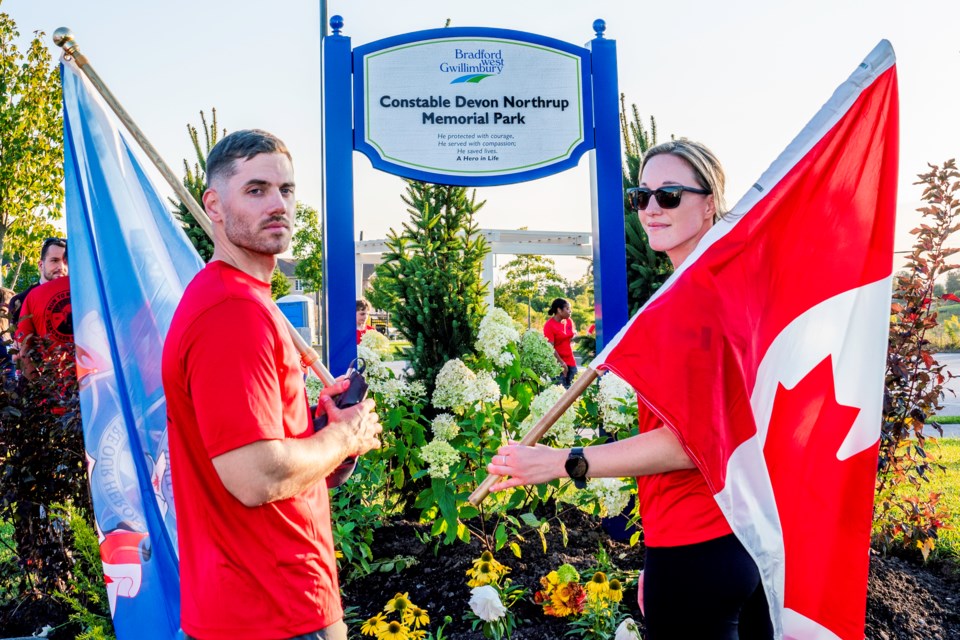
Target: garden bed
(907, 600)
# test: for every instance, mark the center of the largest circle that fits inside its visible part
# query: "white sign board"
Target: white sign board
(482, 106)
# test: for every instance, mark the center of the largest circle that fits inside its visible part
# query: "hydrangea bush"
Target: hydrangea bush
(435, 452)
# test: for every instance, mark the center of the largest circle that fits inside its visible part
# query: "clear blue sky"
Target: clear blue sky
(743, 76)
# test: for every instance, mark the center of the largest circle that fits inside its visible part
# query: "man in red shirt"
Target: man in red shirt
(45, 316)
(248, 469)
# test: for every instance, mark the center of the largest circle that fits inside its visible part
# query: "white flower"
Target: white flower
(45, 631)
(454, 386)
(485, 603)
(378, 343)
(416, 391)
(440, 456)
(617, 401)
(564, 429)
(445, 427)
(537, 354)
(390, 390)
(497, 332)
(375, 368)
(612, 494)
(485, 388)
(627, 630)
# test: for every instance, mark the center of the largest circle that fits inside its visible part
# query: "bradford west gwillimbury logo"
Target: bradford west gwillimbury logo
(473, 64)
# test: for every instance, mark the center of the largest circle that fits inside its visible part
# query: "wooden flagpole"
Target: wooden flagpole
(543, 425)
(63, 38)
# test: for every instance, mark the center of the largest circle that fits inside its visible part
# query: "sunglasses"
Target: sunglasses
(667, 197)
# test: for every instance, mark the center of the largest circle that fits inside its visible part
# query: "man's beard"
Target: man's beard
(254, 240)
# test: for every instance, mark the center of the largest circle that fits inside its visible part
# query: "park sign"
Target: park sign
(472, 106)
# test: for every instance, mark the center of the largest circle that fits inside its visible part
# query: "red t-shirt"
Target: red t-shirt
(677, 507)
(360, 332)
(560, 334)
(46, 312)
(232, 377)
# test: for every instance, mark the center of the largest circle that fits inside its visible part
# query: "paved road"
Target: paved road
(951, 393)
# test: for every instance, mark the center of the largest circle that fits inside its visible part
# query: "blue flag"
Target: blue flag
(129, 264)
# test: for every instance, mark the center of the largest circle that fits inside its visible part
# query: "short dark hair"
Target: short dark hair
(241, 145)
(556, 305)
(53, 242)
(363, 305)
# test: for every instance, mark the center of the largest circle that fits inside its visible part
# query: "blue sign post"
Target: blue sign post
(469, 107)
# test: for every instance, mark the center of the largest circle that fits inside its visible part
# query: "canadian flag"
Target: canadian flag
(764, 353)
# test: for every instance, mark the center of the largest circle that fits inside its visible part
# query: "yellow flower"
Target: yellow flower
(598, 585)
(486, 570)
(416, 616)
(394, 631)
(418, 635)
(481, 574)
(616, 590)
(399, 603)
(373, 626)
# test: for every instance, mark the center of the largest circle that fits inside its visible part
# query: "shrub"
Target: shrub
(430, 279)
(914, 378)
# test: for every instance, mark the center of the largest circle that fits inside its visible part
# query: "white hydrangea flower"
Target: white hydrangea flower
(416, 391)
(537, 353)
(485, 603)
(628, 630)
(376, 369)
(614, 397)
(378, 343)
(445, 427)
(486, 389)
(611, 493)
(455, 386)
(497, 332)
(440, 456)
(563, 430)
(390, 390)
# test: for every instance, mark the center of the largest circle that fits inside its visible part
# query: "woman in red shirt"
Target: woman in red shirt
(698, 580)
(559, 332)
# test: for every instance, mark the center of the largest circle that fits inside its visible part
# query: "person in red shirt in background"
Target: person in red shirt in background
(698, 579)
(363, 310)
(559, 331)
(45, 317)
(249, 470)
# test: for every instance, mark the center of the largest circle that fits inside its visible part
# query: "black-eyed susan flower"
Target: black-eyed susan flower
(615, 590)
(416, 616)
(399, 603)
(373, 625)
(598, 585)
(394, 631)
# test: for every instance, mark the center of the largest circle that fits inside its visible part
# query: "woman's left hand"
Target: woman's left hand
(526, 465)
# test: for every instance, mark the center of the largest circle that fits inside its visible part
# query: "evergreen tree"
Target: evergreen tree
(646, 269)
(195, 180)
(308, 248)
(31, 147)
(430, 280)
(279, 285)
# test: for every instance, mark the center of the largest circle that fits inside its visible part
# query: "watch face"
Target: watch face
(576, 466)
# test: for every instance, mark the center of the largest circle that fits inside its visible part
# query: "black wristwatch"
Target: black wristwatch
(577, 467)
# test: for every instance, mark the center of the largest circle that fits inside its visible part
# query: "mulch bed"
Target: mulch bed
(907, 600)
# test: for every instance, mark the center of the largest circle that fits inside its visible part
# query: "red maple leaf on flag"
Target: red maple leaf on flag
(820, 535)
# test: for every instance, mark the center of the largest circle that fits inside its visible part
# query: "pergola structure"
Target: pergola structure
(502, 242)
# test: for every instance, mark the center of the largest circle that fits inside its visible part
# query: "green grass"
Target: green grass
(947, 484)
(945, 419)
